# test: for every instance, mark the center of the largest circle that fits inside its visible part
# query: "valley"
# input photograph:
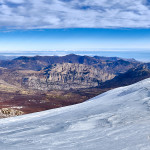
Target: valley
(33, 84)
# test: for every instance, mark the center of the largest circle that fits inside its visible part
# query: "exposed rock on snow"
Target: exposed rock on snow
(9, 112)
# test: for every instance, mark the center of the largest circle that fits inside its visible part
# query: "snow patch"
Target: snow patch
(116, 120)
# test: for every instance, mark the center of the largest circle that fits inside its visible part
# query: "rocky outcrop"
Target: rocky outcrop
(66, 76)
(9, 112)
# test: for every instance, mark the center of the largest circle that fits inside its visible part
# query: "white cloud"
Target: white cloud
(38, 14)
(15, 1)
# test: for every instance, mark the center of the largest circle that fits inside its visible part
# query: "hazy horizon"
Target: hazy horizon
(138, 55)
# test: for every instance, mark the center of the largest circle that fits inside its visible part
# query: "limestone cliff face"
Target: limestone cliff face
(67, 76)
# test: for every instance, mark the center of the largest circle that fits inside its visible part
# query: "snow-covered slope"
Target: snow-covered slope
(116, 120)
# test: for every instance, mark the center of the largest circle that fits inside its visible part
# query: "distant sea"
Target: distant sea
(138, 55)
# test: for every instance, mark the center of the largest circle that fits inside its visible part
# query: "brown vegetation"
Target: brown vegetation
(39, 101)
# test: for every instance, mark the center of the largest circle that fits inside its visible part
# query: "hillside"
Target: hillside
(118, 119)
(133, 75)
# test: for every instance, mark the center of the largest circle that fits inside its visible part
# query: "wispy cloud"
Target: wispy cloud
(41, 14)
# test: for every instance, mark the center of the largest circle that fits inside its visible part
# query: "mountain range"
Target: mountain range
(31, 84)
(66, 72)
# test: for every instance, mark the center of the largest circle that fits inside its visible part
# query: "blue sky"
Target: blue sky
(75, 39)
(74, 24)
